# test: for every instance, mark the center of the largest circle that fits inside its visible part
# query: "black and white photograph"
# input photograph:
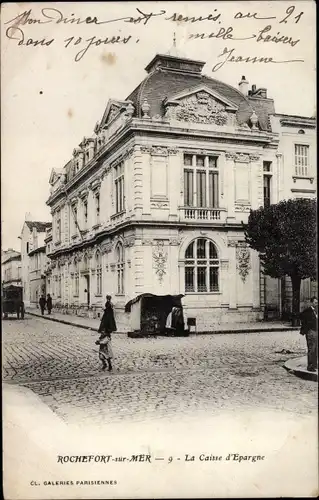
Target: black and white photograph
(159, 250)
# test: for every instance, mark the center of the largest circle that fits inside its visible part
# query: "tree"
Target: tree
(284, 234)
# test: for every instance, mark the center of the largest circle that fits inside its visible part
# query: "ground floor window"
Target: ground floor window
(201, 267)
(98, 274)
(120, 269)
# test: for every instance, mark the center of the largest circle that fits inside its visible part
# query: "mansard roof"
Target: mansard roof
(170, 75)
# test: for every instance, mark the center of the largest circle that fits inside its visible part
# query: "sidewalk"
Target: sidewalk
(298, 366)
(93, 324)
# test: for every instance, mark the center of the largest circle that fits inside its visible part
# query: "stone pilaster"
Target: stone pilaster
(279, 176)
(230, 185)
(232, 275)
(138, 181)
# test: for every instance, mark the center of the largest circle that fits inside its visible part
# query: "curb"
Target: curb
(239, 330)
(293, 366)
(64, 322)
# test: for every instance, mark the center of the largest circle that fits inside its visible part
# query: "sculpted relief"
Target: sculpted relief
(199, 108)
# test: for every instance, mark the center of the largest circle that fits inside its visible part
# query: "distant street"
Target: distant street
(162, 378)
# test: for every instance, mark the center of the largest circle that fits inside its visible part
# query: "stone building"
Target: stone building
(11, 268)
(154, 200)
(297, 178)
(33, 260)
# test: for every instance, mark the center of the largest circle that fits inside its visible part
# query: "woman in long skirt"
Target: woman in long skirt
(107, 326)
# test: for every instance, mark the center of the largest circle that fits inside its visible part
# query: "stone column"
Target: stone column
(230, 186)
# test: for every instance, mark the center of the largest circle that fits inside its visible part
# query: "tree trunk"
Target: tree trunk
(296, 282)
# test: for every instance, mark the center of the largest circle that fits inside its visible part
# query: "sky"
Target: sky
(50, 101)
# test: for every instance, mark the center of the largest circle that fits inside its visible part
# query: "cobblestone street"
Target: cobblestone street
(160, 378)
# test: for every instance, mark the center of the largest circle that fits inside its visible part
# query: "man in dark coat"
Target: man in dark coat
(49, 303)
(42, 303)
(309, 328)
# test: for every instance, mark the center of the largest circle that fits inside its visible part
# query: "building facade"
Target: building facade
(11, 268)
(33, 260)
(154, 200)
(297, 178)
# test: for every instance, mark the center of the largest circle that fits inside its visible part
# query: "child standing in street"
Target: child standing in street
(107, 326)
(105, 352)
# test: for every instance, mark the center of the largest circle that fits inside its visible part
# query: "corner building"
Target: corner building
(154, 200)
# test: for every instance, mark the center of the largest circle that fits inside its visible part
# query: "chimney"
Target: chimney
(28, 216)
(243, 86)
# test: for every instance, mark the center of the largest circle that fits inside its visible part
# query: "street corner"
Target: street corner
(298, 366)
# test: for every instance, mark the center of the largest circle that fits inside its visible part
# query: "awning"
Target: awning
(139, 297)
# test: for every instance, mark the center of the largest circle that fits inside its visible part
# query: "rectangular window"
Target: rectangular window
(201, 188)
(201, 181)
(201, 279)
(76, 284)
(213, 190)
(85, 212)
(58, 227)
(301, 160)
(74, 216)
(267, 185)
(119, 188)
(267, 168)
(189, 279)
(213, 279)
(97, 208)
(99, 281)
(188, 188)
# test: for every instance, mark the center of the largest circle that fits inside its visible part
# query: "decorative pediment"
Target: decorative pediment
(55, 175)
(200, 105)
(113, 109)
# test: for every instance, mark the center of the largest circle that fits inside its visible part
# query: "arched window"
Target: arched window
(98, 261)
(120, 268)
(201, 267)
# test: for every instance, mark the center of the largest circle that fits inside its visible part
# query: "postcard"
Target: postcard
(159, 294)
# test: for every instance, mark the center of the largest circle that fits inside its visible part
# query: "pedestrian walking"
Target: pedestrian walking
(49, 303)
(107, 326)
(42, 303)
(309, 328)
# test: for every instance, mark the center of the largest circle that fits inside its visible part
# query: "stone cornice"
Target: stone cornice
(162, 130)
(296, 121)
(105, 233)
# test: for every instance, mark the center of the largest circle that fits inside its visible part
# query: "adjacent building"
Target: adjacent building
(34, 260)
(154, 200)
(11, 268)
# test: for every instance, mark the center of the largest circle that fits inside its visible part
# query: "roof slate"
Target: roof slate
(162, 84)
